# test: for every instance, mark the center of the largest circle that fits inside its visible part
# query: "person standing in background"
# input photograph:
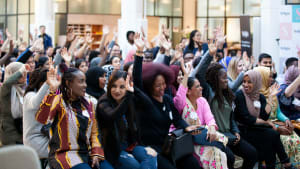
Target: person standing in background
(47, 40)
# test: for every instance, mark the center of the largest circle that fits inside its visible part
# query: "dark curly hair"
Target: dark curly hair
(212, 78)
(151, 71)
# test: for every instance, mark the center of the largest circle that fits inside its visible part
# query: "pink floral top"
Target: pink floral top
(203, 110)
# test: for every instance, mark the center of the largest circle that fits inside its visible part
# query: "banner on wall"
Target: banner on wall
(246, 40)
(289, 31)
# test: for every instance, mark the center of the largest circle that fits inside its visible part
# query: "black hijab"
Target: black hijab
(92, 76)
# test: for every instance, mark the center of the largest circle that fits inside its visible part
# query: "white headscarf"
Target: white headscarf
(17, 90)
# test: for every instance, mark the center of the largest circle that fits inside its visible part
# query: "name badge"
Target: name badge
(86, 113)
(296, 102)
(257, 104)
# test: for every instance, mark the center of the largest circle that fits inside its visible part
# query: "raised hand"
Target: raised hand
(139, 42)
(274, 90)
(105, 30)
(37, 46)
(8, 35)
(129, 85)
(66, 55)
(52, 79)
(167, 44)
(212, 48)
(70, 35)
(89, 39)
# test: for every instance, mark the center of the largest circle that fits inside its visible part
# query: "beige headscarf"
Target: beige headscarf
(17, 90)
(255, 78)
(265, 89)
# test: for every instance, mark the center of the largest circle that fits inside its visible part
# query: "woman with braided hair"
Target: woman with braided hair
(74, 137)
(213, 79)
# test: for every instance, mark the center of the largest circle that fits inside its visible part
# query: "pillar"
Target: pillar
(132, 18)
(45, 15)
(270, 12)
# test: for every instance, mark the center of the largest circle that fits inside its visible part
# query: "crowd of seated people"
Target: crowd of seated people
(83, 108)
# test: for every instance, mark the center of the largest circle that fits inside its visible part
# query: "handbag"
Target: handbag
(177, 145)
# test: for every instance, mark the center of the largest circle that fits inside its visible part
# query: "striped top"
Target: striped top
(74, 134)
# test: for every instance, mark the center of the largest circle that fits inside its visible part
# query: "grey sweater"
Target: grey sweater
(32, 135)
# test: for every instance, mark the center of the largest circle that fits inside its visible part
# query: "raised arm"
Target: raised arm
(4, 59)
(234, 85)
(103, 39)
(36, 100)
(138, 62)
(291, 89)
(52, 103)
(180, 98)
(106, 114)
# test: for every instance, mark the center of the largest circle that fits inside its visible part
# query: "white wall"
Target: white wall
(270, 22)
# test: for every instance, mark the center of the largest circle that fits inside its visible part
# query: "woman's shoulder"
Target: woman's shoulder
(239, 94)
(202, 100)
(90, 99)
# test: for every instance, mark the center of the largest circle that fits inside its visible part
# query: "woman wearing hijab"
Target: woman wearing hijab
(11, 103)
(252, 112)
(289, 97)
(95, 80)
(289, 138)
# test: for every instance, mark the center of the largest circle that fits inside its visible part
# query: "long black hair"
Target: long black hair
(92, 80)
(212, 78)
(36, 79)
(112, 137)
(191, 44)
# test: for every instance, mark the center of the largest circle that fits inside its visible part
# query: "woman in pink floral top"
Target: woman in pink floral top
(196, 111)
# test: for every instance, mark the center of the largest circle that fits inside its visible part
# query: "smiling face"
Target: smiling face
(102, 81)
(159, 86)
(266, 62)
(83, 67)
(197, 37)
(118, 89)
(223, 79)
(195, 91)
(247, 85)
(77, 85)
(116, 63)
(240, 66)
(116, 51)
(179, 77)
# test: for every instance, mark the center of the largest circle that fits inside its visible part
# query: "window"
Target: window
(225, 13)
(201, 22)
(60, 6)
(252, 7)
(32, 6)
(213, 23)
(234, 7)
(150, 7)
(23, 6)
(95, 6)
(2, 9)
(202, 8)
(233, 30)
(12, 25)
(11, 6)
(164, 8)
(216, 8)
(23, 24)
